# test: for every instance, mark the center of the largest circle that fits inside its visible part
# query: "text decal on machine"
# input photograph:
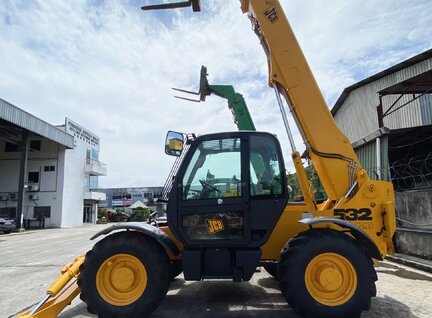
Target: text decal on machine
(363, 214)
(271, 14)
(214, 226)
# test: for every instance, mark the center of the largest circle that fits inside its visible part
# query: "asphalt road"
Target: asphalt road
(30, 262)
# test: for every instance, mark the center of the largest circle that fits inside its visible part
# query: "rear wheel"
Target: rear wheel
(325, 273)
(125, 275)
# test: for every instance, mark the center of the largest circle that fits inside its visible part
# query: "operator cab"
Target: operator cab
(230, 191)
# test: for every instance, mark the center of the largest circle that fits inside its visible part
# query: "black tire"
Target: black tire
(176, 268)
(272, 269)
(7, 231)
(318, 244)
(147, 252)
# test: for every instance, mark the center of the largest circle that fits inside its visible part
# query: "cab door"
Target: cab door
(268, 189)
(231, 190)
(212, 202)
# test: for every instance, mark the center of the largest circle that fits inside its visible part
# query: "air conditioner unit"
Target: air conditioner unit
(33, 197)
(33, 187)
(4, 197)
(13, 196)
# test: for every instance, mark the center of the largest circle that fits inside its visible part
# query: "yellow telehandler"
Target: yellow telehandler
(228, 209)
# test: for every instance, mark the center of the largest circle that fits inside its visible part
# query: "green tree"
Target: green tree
(312, 176)
(140, 214)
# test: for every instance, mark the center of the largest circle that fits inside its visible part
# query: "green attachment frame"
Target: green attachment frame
(236, 102)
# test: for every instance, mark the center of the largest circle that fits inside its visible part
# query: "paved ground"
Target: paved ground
(30, 261)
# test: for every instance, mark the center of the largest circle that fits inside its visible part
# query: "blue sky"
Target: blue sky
(110, 66)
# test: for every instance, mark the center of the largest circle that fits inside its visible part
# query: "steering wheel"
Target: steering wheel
(209, 186)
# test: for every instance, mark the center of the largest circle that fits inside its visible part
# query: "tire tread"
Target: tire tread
(295, 249)
(157, 270)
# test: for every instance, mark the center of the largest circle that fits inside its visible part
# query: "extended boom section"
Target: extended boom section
(334, 159)
(352, 196)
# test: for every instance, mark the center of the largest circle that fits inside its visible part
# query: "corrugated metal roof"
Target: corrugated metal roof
(358, 115)
(21, 118)
(404, 64)
(420, 84)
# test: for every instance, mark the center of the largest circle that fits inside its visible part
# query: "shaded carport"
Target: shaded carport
(410, 158)
(416, 87)
(409, 149)
(410, 162)
(16, 125)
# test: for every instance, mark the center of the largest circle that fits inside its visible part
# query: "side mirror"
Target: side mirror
(174, 143)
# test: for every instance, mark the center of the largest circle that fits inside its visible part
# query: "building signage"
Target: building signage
(82, 133)
(117, 202)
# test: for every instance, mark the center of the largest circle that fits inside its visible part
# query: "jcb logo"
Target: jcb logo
(363, 214)
(214, 226)
(271, 14)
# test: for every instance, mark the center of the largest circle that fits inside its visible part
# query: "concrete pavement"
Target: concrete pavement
(30, 262)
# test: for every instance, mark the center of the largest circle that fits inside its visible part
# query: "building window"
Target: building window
(88, 156)
(33, 177)
(35, 145)
(126, 196)
(93, 182)
(10, 147)
(41, 212)
(95, 154)
(8, 212)
(49, 168)
(92, 154)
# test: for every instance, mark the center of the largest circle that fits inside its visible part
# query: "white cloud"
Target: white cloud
(110, 66)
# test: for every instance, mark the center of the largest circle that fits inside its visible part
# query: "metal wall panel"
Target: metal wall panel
(20, 118)
(368, 158)
(358, 115)
(426, 109)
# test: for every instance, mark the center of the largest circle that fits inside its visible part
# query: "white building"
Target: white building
(47, 172)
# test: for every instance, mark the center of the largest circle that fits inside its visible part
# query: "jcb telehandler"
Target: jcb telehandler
(228, 209)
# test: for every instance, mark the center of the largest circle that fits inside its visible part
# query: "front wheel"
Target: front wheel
(125, 275)
(325, 273)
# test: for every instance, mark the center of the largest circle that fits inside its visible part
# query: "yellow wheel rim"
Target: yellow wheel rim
(331, 279)
(121, 279)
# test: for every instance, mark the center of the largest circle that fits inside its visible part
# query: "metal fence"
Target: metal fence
(412, 174)
(408, 174)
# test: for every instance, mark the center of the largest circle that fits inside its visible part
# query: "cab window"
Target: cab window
(214, 170)
(265, 172)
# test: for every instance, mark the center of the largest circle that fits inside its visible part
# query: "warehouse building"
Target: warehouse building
(388, 119)
(47, 173)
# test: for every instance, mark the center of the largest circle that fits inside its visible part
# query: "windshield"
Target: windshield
(214, 171)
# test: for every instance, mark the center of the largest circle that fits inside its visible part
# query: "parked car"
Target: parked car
(6, 225)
